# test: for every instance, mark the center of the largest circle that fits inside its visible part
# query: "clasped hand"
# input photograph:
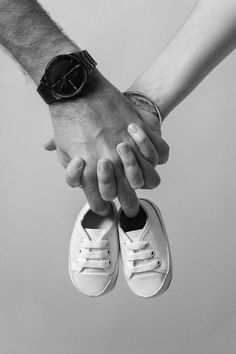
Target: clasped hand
(107, 145)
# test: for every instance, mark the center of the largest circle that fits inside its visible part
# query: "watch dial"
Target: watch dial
(65, 76)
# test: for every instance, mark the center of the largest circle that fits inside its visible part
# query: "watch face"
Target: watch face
(65, 75)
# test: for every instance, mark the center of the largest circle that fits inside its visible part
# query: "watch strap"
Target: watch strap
(46, 94)
(86, 60)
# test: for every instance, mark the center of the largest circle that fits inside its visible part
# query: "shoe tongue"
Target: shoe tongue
(134, 235)
(95, 234)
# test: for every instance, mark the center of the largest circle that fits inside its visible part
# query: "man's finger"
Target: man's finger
(90, 187)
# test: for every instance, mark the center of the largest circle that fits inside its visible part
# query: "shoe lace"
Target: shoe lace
(140, 259)
(94, 254)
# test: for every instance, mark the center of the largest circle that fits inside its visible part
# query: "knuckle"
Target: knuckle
(104, 179)
(108, 196)
(90, 187)
(72, 182)
(143, 141)
(130, 202)
(131, 162)
(96, 208)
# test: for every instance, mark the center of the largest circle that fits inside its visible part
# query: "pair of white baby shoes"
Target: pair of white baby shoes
(97, 241)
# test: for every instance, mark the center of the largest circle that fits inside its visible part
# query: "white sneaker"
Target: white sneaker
(146, 254)
(94, 252)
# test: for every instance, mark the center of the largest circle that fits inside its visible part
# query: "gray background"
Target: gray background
(40, 311)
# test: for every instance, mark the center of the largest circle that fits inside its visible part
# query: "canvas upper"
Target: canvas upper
(145, 254)
(94, 252)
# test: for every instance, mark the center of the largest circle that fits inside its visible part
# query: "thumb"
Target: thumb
(50, 145)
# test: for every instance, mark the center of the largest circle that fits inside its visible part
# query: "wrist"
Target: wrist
(38, 57)
(97, 88)
(155, 91)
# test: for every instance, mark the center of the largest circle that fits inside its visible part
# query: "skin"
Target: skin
(93, 136)
(204, 40)
(106, 182)
(91, 126)
(206, 37)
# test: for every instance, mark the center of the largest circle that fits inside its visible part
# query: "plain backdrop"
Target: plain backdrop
(40, 310)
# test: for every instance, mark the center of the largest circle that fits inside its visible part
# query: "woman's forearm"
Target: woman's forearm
(205, 39)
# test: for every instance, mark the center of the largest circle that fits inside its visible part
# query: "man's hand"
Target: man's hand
(105, 174)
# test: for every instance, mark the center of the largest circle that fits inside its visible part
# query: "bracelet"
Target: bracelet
(145, 103)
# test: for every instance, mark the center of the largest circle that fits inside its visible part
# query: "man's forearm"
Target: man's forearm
(30, 35)
(205, 39)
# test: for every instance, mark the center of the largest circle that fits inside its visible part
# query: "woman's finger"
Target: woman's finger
(144, 144)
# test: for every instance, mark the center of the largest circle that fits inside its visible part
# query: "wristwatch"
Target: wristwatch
(65, 76)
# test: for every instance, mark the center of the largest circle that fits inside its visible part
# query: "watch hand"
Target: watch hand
(55, 83)
(73, 85)
(62, 84)
(61, 81)
(75, 67)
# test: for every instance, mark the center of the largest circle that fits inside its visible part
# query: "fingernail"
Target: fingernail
(123, 148)
(78, 163)
(132, 128)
